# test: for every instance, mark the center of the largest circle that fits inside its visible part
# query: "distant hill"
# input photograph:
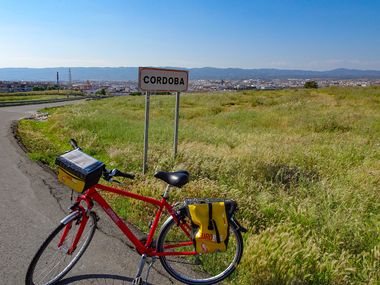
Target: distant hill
(237, 73)
(131, 73)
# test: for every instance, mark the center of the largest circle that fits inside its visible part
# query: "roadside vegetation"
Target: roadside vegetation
(38, 95)
(304, 166)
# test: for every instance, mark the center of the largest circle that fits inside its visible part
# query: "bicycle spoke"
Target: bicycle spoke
(51, 270)
(183, 262)
(46, 269)
(200, 268)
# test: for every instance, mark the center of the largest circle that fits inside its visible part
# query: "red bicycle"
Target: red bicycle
(173, 247)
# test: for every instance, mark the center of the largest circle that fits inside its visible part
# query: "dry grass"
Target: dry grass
(303, 165)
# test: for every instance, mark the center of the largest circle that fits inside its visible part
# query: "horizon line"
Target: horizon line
(241, 68)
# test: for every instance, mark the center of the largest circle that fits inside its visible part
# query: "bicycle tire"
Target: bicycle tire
(202, 268)
(41, 260)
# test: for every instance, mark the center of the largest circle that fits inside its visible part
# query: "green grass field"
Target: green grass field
(304, 166)
(37, 95)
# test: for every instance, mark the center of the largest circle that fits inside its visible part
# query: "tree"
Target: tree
(38, 88)
(311, 84)
(101, 92)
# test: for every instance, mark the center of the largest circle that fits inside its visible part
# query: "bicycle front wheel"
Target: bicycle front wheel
(200, 268)
(56, 256)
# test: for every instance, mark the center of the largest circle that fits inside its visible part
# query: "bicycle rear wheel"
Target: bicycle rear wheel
(200, 268)
(53, 259)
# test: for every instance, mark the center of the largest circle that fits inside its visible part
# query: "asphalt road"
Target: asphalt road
(31, 205)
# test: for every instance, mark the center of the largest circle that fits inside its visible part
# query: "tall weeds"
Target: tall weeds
(304, 166)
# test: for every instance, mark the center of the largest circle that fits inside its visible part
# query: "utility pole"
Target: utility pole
(58, 80)
(70, 83)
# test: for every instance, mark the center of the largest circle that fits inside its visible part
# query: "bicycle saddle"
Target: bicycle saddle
(176, 178)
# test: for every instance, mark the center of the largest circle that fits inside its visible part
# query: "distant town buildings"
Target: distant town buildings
(127, 87)
(272, 84)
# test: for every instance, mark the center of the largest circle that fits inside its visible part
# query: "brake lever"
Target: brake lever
(115, 181)
(118, 182)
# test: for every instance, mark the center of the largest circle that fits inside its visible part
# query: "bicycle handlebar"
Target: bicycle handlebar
(108, 174)
(117, 172)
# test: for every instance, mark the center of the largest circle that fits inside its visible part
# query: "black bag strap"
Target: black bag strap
(216, 232)
(210, 221)
(212, 224)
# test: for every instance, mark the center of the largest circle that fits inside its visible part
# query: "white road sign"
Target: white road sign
(159, 79)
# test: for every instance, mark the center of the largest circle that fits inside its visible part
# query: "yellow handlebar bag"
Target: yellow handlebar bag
(210, 226)
(78, 170)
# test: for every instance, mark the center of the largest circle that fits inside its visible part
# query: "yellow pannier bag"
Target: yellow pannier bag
(210, 219)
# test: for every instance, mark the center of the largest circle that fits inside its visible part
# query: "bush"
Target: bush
(311, 84)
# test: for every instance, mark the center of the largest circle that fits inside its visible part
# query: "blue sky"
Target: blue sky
(308, 34)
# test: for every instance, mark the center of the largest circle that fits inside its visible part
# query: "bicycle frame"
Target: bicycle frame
(92, 194)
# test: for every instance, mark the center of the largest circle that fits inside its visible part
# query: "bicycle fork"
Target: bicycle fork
(143, 261)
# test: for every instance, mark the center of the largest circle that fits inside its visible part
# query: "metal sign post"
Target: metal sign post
(146, 131)
(161, 80)
(176, 121)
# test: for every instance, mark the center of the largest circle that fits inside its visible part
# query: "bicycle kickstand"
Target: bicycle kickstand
(150, 265)
(138, 278)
